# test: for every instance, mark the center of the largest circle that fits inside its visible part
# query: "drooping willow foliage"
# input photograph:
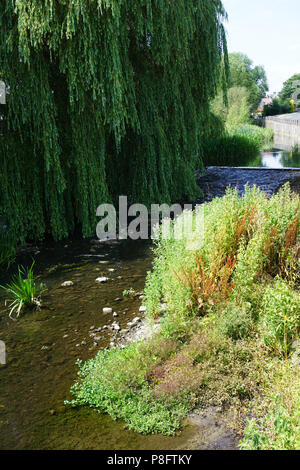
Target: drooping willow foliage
(106, 97)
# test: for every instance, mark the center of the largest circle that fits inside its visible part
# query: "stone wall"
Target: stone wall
(286, 129)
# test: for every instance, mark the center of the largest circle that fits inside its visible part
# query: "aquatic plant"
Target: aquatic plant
(115, 382)
(128, 292)
(23, 291)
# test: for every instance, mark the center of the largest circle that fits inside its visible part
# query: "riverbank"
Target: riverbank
(226, 334)
(42, 348)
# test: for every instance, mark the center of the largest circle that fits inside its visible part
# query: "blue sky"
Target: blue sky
(268, 31)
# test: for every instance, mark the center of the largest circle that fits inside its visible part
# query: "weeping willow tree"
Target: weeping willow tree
(106, 97)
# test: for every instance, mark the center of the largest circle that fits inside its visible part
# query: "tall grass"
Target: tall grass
(262, 137)
(276, 425)
(229, 150)
(238, 146)
(23, 291)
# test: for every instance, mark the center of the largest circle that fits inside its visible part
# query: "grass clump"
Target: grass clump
(23, 291)
(262, 137)
(236, 321)
(229, 150)
(231, 312)
(238, 146)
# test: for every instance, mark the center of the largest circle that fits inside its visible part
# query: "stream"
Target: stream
(42, 347)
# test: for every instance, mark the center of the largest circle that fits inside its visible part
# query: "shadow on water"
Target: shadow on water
(42, 348)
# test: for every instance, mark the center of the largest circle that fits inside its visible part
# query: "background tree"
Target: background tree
(247, 85)
(244, 74)
(237, 110)
(106, 98)
(289, 88)
(278, 107)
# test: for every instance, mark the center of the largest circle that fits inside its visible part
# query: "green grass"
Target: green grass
(229, 150)
(23, 291)
(262, 137)
(231, 314)
(237, 146)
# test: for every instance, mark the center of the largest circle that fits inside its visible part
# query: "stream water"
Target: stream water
(276, 158)
(42, 348)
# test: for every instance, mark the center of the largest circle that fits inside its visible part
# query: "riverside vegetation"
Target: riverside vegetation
(235, 140)
(237, 145)
(229, 328)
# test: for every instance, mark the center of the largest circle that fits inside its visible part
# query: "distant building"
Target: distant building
(266, 101)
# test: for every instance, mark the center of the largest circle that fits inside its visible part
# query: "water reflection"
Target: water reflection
(280, 159)
(285, 154)
(276, 158)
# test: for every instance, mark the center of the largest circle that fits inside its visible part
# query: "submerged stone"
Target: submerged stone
(107, 310)
(101, 280)
(67, 284)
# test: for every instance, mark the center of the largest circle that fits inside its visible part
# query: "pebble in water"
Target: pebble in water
(107, 310)
(101, 280)
(67, 284)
